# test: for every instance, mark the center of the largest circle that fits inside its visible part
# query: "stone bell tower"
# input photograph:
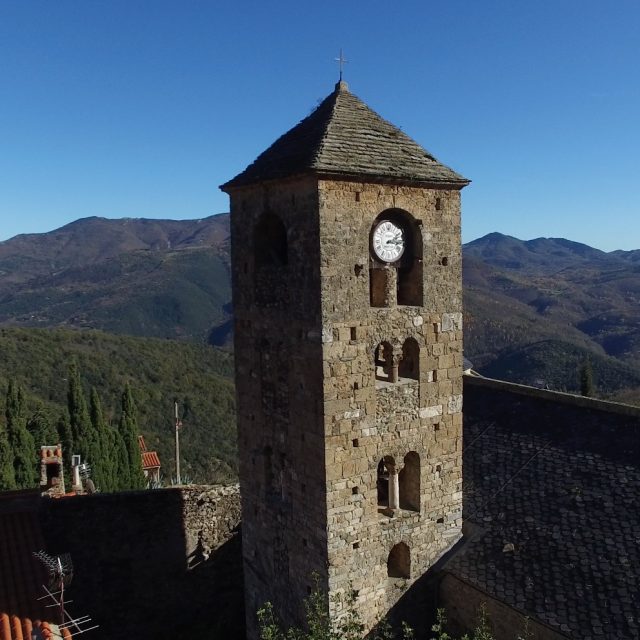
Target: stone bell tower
(347, 293)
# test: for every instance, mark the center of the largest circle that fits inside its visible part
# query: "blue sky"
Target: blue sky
(142, 108)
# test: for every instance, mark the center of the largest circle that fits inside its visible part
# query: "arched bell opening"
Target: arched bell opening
(395, 269)
(409, 366)
(383, 363)
(385, 471)
(409, 481)
(399, 561)
(271, 261)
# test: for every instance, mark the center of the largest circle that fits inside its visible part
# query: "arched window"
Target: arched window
(410, 364)
(383, 362)
(270, 242)
(399, 561)
(395, 274)
(410, 482)
(386, 466)
(271, 259)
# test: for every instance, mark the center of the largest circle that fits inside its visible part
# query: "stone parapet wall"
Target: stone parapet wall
(555, 396)
(148, 564)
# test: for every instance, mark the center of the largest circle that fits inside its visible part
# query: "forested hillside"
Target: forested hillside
(150, 278)
(159, 373)
(535, 312)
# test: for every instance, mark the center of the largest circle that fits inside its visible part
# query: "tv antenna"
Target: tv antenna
(60, 570)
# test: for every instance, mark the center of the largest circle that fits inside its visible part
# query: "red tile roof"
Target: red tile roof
(150, 460)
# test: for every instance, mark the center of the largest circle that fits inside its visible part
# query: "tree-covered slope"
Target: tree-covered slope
(159, 372)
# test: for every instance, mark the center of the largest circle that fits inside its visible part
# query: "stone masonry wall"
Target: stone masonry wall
(313, 421)
(152, 564)
(366, 419)
(278, 356)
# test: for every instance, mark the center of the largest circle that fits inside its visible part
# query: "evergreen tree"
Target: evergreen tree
(85, 437)
(65, 437)
(7, 475)
(587, 387)
(129, 432)
(42, 429)
(121, 468)
(102, 472)
(20, 440)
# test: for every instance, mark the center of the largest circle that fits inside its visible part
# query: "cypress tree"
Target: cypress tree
(586, 379)
(129, 432)
(7, 475)
(85, 437)
(120, 456)
(41, 429)
(102, 472)
(65, 437)
(20, 440)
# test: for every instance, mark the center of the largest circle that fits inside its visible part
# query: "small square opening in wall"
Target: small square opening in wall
(355, 442)
(436, 327)
(444, 261)
(356, 545)
(436, 426)
(355, 490)
(434, 375)
(357, 196)
(438, 204)
(438, 468)
(356, 386)
(440, 520)
(357, 269)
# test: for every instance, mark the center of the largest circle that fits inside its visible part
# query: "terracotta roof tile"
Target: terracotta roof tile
(344, 137)
(150, 460)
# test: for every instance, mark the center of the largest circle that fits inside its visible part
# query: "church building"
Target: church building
(347, 293)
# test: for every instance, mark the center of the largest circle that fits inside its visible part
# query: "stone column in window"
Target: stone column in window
(394, 489)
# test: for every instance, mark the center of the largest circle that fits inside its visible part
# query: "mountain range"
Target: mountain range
(534, 310)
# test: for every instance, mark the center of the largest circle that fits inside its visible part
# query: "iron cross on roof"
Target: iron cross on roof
(341, 61)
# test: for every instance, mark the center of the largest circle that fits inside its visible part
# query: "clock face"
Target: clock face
(388, 241)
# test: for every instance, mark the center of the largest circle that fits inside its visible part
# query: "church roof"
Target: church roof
(552, 489)
(344, 137)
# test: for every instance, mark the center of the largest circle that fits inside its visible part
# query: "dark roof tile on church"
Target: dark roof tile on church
(343, 137)
(552, 485)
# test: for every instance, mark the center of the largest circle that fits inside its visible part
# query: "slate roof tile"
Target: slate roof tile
(562, 484)
(344, 137)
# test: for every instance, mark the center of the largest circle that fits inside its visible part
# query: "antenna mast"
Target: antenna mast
(178, 425)
(60, 574)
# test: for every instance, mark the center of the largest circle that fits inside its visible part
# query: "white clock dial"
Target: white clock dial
(388, 241)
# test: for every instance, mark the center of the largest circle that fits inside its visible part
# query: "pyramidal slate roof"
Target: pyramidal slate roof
(344, 137)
